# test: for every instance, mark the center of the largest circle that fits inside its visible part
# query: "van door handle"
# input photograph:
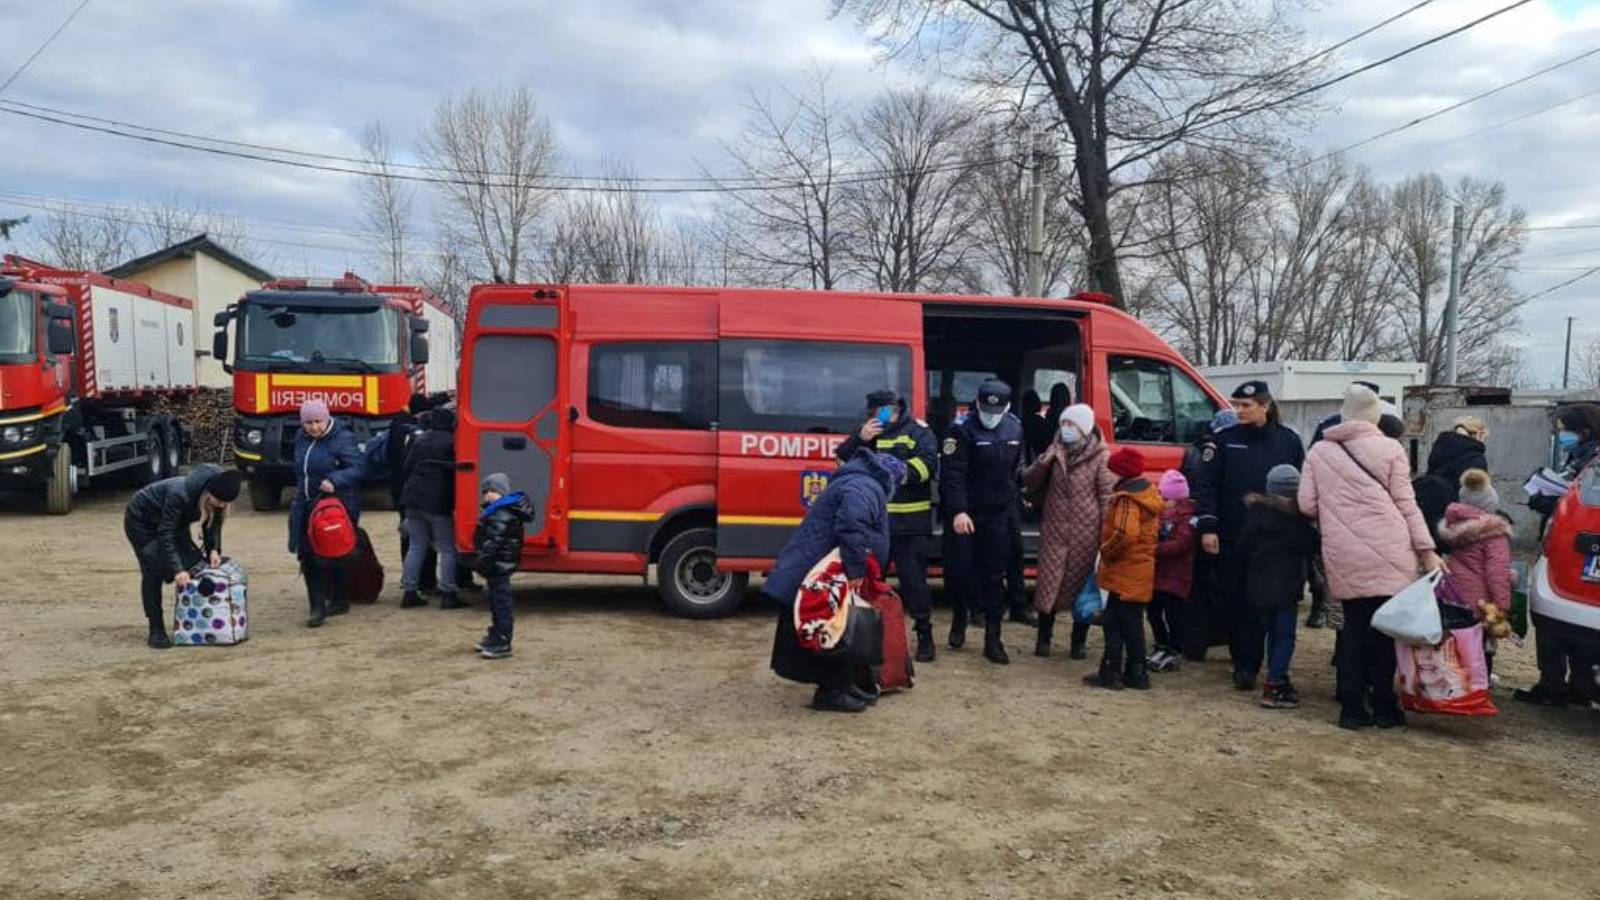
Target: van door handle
(466, 465)
(514, 443)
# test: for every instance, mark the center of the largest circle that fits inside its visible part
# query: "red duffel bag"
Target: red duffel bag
(897, 672)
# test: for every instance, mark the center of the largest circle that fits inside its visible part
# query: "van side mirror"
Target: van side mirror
(419, 350)
(222, 318)
(219, 348)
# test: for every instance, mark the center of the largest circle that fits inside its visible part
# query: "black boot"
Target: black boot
(338, 607)
(1080, 640)
(1022, 615)
(1107, 676)
(451, 600)
(317, 594)
(412, 600)
(1047, 627)
(958, 627)
(925, 641)
(836, 700)
(993, 650)
(1136, 675)
(319, 613)
(158, 639)
(1318, 617)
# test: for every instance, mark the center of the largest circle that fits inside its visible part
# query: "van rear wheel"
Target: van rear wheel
(691, 585)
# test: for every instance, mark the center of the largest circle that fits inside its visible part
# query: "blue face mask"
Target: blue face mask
(1070, 434)
(1567, 440)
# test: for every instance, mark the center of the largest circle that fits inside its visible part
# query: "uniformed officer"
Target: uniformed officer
(1231, 468)
(978, 491)
(891, 429)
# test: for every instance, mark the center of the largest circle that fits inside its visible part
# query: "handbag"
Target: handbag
(1450, 679)
(1412, 616)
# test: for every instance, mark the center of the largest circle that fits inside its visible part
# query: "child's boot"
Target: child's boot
(1136, 676)
(1080, 640)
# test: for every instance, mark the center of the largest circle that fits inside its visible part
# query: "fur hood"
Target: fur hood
(1465, 525)
(1289, 506)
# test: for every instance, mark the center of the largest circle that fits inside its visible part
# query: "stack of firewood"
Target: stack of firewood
(209, 415)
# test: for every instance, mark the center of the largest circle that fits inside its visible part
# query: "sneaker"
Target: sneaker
(498, 650)
(483, 642)
(412, 600)
(1539, 695)
(1279, 695)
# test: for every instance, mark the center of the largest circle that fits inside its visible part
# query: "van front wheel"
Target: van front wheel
(691, 585)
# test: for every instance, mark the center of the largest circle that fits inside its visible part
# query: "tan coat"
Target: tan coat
(1077, 490)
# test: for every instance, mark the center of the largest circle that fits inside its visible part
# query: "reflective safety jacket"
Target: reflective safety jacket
(911, 507)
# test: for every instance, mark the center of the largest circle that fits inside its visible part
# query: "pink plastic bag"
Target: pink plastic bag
(1451, 679)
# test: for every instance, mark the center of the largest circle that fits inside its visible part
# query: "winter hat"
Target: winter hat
(1174, 486)
(894, 465)
(1392, 426)
(314, 410)
(1127, 463)
(1080, 416)
(499, 482)
(1284, 480)
(1223, 420)
(1360, 405)
(224, 485)
(1477, 490)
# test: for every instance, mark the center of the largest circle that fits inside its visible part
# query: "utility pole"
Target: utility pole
(1566, 361)
(1035, 213)
(1452, 316)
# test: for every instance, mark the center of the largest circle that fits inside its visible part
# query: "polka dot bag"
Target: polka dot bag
(210, 610)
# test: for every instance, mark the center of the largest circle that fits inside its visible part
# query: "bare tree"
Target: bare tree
(74, 239)
(606, 237)
(386, 204)
(1126, 81)
(1419, 247)
(1586, 366)
(793, 153)
(449, 274)
(910, 225)
(495, 153)
(998, 235)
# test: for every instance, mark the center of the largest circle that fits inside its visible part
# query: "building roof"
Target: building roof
(187, 249)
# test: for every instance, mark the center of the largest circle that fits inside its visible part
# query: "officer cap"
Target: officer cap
(993, 395)
(878, 399)
(1252, 390)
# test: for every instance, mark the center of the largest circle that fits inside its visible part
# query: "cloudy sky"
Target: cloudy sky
(658, 82)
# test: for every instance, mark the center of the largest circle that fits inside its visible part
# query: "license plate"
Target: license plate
(1591, 568)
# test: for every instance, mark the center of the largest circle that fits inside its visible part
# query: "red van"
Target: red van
(691, 427)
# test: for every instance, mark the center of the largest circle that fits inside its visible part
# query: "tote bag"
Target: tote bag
(1412, 616)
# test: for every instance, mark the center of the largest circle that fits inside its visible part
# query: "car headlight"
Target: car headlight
(252, 437)
(11, 435)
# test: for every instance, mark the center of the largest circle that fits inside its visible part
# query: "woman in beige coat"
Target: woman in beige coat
(1076, 487)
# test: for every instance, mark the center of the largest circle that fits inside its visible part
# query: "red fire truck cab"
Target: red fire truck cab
(690, 428)
(360, 348)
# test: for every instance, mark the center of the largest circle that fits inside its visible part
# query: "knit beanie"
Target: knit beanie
(1174, 486)
(314, 410)
(224, 485)
(1361, 405)
(1284, 480)
(895, 466)
(1477, 490)
(1080, 416)
(1126, 463)
(1223, 420)
(499, 482)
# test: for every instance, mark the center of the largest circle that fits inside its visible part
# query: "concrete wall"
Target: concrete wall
(1520, 441)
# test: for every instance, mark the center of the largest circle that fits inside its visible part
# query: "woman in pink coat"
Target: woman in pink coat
(1357, 486)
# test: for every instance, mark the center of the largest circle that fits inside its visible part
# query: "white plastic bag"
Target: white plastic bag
(1412, 616)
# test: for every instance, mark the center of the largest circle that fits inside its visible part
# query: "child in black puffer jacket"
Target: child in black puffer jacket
(497, 543)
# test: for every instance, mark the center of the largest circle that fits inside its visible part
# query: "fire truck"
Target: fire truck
(84, 359)
(362, 348)
(690, 428)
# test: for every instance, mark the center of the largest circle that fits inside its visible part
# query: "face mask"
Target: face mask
(1567, 440)
(1070, 434)
(990, 420)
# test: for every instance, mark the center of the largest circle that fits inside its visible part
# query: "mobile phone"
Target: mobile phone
(884, 413)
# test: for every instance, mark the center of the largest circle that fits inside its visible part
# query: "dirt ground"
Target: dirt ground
(625, 754)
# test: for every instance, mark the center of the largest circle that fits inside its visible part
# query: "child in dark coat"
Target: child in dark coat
(497, 541)
(1279, 542)
(1174, 571)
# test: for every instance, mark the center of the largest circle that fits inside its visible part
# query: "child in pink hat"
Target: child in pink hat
(1174, 571)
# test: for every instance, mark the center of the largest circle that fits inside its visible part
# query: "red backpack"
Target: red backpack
(332, 534)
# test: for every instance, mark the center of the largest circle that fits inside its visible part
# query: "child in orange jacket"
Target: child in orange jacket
(1128, 539)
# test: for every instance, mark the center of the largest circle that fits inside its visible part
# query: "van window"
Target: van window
(653, 385)
(513, 376)
(805, 386)
(1153, 402)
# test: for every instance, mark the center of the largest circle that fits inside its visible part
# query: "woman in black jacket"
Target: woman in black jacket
(157, 523)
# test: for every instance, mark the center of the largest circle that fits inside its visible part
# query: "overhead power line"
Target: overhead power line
(43, 46)
(1570, 281)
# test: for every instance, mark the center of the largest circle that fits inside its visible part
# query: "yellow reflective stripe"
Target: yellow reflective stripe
(913, 507)
(904, 440)
(609, 515)
(757, 520)
(245, 454)
(920, 467)
(263, 389)
(322, 381)
(28, 452)
(369, 389)
(34, 417)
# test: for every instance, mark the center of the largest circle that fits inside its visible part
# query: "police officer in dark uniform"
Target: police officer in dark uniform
(891, 429)
(978, 491)
(1231, 468)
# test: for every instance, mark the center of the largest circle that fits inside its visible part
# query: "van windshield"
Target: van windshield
(17, 327)
(330, 339)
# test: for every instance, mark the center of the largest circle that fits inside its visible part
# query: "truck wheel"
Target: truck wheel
(690, 583)
(265, 495)
(62, 484)
(155, 458)
(172, 461)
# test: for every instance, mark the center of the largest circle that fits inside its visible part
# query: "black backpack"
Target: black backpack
(1434, 496)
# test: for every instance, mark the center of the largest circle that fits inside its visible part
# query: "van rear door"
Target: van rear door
(793, 381)
(512, 408)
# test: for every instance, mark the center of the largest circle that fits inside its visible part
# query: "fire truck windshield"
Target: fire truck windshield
(329, 339)
(17, 327)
